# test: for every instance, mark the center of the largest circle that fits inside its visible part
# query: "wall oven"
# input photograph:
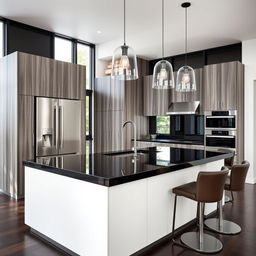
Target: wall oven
(220, 139)
(221, 120)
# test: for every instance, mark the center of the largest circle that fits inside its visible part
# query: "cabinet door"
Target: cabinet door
(109, 94)
(37, 76)
(156, 101)
(108, 131)
(70, 79)
(40, 76)
(211, 83)
(228, 85)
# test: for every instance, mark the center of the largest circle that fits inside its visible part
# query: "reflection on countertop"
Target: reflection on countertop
(121, 167)
(173, 141)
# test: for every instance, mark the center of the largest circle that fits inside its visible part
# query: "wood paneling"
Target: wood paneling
(240, 111)
(9, 125)
(228, 85)
(221, 86)
(25, 136)
(211, 81)
(156, 101)
(109, 94)
(108, 131)
(41, 76)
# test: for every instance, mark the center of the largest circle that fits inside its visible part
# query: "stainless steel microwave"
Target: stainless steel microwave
(224, 120)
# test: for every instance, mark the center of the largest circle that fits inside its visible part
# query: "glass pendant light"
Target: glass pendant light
(124, 61)
(163, 72)
(186, 81)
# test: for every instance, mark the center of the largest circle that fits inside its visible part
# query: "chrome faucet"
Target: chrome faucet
(134, 134)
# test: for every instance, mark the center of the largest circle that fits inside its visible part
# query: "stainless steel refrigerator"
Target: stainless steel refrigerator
(58, 126)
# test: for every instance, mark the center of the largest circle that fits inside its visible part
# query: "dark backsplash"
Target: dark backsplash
(183, 127)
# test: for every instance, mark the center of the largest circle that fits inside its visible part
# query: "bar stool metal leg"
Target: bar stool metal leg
(222, 226)
(199, 241)
(174, 216)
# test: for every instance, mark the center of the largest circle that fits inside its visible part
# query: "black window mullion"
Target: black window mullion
(74, 51)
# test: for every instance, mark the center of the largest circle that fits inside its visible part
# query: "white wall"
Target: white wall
(249, 60)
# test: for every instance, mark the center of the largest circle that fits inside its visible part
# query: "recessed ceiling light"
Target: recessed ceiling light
(99, 32)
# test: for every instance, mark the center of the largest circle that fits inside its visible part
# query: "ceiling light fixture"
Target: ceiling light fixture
(124, 61)
(163, 71)
(186, 81)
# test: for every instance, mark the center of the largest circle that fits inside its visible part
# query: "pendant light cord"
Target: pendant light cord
(162, 29)
(186, 35)
(124, 22)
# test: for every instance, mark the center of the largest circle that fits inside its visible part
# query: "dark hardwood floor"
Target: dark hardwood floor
(16, 240)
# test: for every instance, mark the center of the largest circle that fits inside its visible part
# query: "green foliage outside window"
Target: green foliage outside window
(163, 124)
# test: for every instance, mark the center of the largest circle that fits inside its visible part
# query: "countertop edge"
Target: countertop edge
(109, 182)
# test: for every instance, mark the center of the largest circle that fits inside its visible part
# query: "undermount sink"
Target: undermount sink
(127, 153)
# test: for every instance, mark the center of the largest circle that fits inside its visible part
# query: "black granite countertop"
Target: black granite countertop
(114, 168)
(174, 141)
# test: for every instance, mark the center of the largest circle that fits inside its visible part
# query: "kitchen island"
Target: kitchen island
(114, 203)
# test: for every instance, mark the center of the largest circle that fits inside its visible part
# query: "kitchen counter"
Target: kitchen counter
(115, 168)
(117, 206)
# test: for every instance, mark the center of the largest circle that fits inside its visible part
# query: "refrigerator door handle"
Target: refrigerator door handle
(56, 106)
(54, 126)
(61, 130)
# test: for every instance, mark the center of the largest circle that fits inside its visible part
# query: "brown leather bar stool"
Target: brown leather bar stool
(208, 188)
(234, 182)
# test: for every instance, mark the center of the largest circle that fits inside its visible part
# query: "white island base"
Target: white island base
(94, 220)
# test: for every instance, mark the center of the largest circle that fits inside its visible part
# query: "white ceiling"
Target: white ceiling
(211, 23)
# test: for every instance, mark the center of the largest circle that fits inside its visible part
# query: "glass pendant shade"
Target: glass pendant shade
(186, 80)
(124, 64)
(163, 75)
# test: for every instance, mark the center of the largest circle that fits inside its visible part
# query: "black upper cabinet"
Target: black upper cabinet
(199, 59)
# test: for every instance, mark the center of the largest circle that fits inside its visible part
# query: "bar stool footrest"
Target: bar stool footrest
(227, 228)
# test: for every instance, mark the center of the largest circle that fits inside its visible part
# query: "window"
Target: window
(83, 58)
(63, 49)
(163, 124)
(1, 39)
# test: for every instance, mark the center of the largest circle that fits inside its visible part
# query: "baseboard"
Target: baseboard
(168, 237)
(11, 195)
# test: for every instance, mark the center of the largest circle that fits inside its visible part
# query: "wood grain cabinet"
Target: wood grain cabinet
(50, 78)
(109, 94)
(156, 101)
(222, 84)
